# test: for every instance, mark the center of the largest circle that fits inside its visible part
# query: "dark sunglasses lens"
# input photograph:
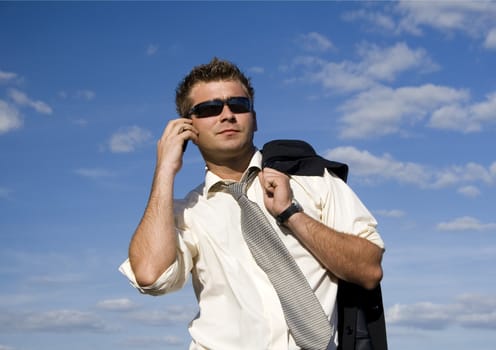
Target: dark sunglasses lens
(239, 104)
(214, 107)
(208, 109)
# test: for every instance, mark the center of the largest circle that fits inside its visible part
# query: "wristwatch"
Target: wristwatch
(293, 208)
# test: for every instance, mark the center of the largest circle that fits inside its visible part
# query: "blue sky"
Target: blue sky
(404, 92)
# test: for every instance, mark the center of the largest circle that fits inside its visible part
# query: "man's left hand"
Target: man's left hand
(277, 192)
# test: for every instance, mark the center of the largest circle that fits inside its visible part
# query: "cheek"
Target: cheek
(202, 126)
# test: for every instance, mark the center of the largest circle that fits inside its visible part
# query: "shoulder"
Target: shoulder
(191, 198)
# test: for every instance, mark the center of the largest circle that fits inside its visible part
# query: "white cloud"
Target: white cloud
(85, 94)
(392, 213)
(466, 223)
(93, 173)
(342, 77)
(469, 191)
(377, 110)
(22, 99)
(51, 321)
(467, 311)
(6, 347)
(10, 118)
(476, 19)
(122, 304)
(378, 19)
(148, 342)
(128, 139)
(314, 42)
(382, 110)
(465, 117)
(490, 42)
(256, 70)
(7, 76)
(384, 63)
(372, 168)
(4, 192)
(470, 17)
(59, 279)
(80, 121)
(171, 315)
(378, 64)
(151, 49)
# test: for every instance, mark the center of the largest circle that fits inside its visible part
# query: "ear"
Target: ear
(255, 126)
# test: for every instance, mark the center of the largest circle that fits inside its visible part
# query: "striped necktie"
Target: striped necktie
(304, 315)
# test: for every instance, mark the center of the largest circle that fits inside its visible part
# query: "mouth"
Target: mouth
(228, 131)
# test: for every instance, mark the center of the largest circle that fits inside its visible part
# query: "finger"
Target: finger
(182, 125)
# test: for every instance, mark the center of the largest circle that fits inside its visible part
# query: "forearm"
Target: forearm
(351, 258)
(153, 246)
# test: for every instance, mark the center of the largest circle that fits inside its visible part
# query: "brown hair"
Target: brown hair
(215, 70)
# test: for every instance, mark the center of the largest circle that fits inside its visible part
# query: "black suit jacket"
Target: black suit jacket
(361, 324)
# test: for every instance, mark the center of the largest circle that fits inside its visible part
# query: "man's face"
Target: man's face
(228, 134)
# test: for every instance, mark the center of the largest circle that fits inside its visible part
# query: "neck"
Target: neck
(232, 168)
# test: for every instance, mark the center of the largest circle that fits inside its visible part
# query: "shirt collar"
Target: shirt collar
(213, 181)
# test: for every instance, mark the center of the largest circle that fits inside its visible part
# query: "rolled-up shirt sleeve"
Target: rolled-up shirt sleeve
(172, 279)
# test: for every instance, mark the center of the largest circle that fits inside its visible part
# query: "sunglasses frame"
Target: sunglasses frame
(230, 101)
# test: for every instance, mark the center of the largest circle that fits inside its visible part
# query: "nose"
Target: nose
(227, 114)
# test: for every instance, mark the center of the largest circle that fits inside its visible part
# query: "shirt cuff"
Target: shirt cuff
(170, 280)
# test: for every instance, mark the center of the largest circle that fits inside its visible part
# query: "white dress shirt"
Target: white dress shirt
(239, 308)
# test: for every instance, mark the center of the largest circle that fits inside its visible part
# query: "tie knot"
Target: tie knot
(238, 189)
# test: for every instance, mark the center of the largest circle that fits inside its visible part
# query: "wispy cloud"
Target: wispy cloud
(10, 118)
(466, 223)
(4, 192)
(314, 42)
(475, 19)
(59, 279)
(392, 213)
(151, 49)
(382, 110)
(171, 315)
(22, 99)
(490, 41)
(80, 122)
(121, 304)
(375, 110)
(471, 18)
(128, 139)
(6, 347)
(94, 173)
(256, 70)
(146, 342)
(469, 191)
(7, 76)
(51, 321)
(377, 64)
(467, 311)
(465, 117)
(86, 94)
(373, 168)
(82, 94)
(378, 19)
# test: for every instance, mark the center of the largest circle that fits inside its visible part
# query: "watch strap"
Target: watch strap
(293, 208)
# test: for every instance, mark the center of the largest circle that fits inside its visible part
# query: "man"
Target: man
(332, 237)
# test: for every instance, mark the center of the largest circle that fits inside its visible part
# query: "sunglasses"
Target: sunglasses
(212, 108)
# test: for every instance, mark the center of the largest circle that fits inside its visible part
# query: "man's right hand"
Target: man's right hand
(171, 144)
